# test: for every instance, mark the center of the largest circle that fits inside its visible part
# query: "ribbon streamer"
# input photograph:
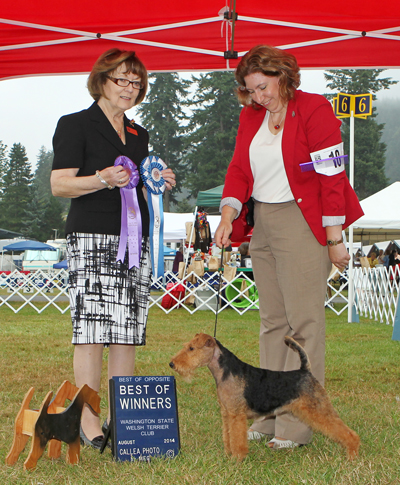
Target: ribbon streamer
(150, 169)
(307, 167)
(131, 220)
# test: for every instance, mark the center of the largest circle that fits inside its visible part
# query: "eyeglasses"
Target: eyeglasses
(124, 83)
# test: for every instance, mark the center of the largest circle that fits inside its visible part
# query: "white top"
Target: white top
(271, 184)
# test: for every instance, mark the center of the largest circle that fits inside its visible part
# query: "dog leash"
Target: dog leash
(220, 270)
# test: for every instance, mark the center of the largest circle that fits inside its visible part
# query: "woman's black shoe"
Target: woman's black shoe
(95, 443)
(104, 428)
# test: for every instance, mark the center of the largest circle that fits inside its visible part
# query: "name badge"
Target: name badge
(329, 161)
(131, 130)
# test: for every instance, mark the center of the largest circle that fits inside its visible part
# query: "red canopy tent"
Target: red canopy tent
(47, 37)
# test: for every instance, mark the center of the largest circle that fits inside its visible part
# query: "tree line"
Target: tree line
(192, 125)
(27, 206)
(388, 114)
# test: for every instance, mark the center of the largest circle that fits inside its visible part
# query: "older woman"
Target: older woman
(280, 127)
(109, 301)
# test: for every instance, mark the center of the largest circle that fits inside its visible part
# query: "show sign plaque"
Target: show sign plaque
(144, 417)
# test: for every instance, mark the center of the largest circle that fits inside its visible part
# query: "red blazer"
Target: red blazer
(310, 125)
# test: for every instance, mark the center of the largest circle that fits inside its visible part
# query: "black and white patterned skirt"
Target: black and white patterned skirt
(109, 302)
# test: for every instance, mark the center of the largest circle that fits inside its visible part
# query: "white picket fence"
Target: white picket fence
(376, 292)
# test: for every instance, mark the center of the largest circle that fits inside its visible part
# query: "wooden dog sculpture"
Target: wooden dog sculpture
(52, 423)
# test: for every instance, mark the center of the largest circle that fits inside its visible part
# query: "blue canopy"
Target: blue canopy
(169, 252)
(61, 264)
(26, 245)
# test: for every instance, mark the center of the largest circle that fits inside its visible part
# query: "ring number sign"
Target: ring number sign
(359, 104)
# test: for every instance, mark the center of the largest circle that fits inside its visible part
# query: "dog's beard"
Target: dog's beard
(186, 374)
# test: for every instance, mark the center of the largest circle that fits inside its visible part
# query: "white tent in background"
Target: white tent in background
(174, 225)
(377, 246)
(381, 210)
(381, 219)
(383, 245)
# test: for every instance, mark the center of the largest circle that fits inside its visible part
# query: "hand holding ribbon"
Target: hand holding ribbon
(150, 169)
(131, 221)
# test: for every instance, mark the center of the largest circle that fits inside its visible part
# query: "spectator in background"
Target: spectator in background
(386, 258)
(394, 258)
(178, 259)
(373, 261)
(380, 257)
(244, 253)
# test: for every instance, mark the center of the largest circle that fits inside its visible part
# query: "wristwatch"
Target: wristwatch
(329, 242)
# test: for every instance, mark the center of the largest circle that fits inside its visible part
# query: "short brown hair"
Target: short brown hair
(269, 61)
(107, 63)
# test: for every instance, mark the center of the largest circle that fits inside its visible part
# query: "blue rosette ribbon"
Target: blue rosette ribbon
(131, 220)
(150, 169)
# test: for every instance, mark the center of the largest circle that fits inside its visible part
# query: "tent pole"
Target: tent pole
(351, 317)
(190, 238)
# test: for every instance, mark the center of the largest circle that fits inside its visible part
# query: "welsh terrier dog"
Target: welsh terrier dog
(247, 392)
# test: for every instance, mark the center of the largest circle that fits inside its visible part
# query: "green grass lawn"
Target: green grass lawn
(362, 379)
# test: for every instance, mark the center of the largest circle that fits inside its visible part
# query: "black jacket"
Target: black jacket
(87, 140)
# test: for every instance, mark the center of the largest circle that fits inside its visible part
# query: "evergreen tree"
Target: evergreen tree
(42, 217)
(17, 191)
(211, 131)
(369, 151)
(163, 117)
(53, 218)
(33, 219)
(388, 113)
(42, 173)
(184, 206)
(42, 179)
(3, 166)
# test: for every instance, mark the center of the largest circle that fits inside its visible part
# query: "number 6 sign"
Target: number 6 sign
(359, 104)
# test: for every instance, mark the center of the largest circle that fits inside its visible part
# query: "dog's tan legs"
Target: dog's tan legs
(320, 415)
(238, 435)
(225, 431)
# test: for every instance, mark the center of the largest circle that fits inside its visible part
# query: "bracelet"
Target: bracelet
(334, 243)
(109, 187)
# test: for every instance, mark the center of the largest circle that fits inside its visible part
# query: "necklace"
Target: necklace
(277, 126)
(119, 132)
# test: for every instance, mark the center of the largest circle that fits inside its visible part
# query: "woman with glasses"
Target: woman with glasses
(298, 215)
(109, 301)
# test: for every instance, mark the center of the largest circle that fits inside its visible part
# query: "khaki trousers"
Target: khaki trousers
(291, 270)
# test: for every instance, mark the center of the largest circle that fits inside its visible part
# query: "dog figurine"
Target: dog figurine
(247, 392)
(52, 425)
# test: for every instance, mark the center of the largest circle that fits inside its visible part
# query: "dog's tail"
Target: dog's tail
(304, 362)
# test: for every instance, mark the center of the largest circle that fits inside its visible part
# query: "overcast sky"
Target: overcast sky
(30, 107)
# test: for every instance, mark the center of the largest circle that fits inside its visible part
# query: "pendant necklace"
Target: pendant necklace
(279, 124)
(119, 132)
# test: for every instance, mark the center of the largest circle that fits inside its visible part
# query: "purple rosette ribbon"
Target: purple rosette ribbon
(131, 220)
